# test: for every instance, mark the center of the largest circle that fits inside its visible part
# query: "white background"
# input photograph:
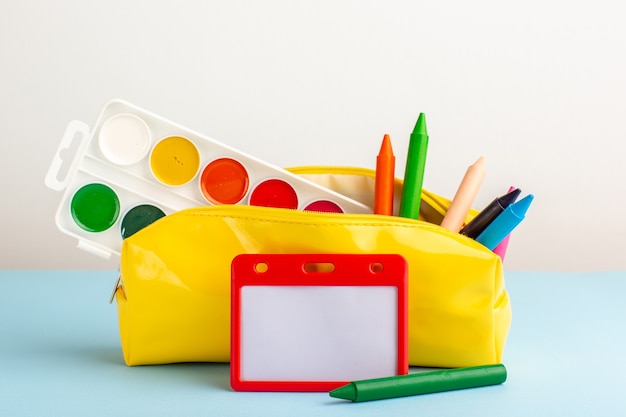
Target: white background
(537, 87)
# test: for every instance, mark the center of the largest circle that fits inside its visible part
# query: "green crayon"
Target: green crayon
(421, 383)
(414, 170)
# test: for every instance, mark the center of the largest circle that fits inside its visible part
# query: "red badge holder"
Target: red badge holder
(314, 322)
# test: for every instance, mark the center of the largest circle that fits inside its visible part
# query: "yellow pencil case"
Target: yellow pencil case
(174, 294)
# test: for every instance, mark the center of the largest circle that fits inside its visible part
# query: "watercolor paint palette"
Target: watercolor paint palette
(135, 167)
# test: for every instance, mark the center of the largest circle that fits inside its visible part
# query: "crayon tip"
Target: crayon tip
(385, 147)
(509, 198)
(420, 125)
(479, 162)
(346, 392)
(521, 207)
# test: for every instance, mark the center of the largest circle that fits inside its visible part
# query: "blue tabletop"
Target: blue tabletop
(60, 355)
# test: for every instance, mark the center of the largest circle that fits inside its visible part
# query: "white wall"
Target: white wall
(537, 87)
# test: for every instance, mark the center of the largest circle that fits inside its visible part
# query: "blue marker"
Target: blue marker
(505, 223)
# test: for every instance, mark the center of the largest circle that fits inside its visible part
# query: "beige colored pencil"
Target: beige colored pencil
(464, 197)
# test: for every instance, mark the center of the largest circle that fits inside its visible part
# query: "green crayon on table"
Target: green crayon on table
(421, 383)
(414, 170)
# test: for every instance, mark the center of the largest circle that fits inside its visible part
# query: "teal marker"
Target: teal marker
(421, 383)
(414, 171)
(504, 223)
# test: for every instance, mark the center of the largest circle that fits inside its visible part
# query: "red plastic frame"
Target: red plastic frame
(289, 270)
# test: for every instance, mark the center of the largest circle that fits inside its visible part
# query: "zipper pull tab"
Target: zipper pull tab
(118, 285)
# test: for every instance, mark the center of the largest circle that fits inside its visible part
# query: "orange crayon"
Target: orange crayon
(385, 178)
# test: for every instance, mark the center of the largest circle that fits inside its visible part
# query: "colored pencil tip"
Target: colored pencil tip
(521, 207)
(346, 392)
(420, 125)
